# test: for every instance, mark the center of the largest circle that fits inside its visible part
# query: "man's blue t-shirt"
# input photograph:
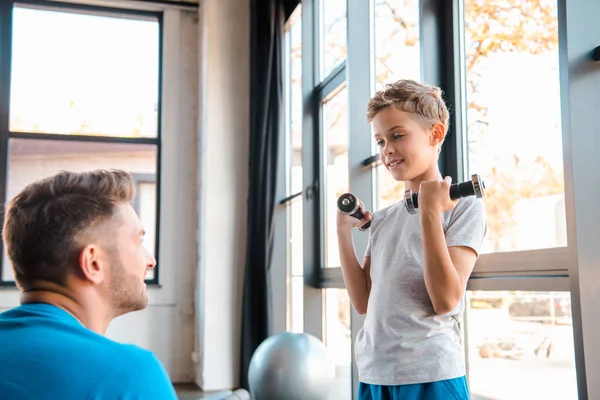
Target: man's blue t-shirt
(45, 353)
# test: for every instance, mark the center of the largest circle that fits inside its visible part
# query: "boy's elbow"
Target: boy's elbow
(361, 309)
(442, 309)
(444, 306)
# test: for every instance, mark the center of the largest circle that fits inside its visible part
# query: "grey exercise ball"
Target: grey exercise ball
(290, 366)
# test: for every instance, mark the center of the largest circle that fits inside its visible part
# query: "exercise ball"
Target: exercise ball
(290, 366)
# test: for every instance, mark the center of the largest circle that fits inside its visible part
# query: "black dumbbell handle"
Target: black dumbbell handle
(349, 204)
(457, 190)
(474, 187)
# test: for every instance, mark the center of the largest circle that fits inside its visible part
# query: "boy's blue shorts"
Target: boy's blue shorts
(450, 389)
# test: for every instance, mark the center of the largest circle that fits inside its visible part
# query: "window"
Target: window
(333, 35)
(293, 162)
(335, 137)
(525, 197)
(84, 95)
(396, 41)
(145, 207)
(103, 78)
(519, 329)
(338, 339)
(520, 345)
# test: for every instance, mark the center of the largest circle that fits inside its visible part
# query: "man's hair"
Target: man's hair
(47, 223)
(424, 102)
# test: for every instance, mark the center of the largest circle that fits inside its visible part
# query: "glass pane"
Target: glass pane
(84, 74)
(146, 206)
(338, 340)
(520, 345)
(295, 251)
(33, 159)
(295, 151)
(389, 191)
(397, 47)
(514, 125)
(333, 36)
(296, 317)
(335, 137)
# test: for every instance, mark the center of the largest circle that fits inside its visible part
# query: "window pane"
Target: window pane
(296, 317)
(295, 251)
(84, 74)
(389, 191)
(514, 124)
(295, 151)
(33, 159)
(520, 345)
(338, 340)
(335, 132)
(397, 48)
(333, 35)
(146, 207)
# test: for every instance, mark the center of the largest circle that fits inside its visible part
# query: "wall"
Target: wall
(166, 326)
(223, 166)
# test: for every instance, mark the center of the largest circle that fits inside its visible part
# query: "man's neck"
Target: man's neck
(88, 312)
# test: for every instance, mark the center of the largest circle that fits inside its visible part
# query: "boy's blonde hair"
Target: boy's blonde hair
(423, 101)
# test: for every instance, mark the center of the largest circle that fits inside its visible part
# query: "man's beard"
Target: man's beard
(126, 293)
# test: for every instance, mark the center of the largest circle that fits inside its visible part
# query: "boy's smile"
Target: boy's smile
(407, 148)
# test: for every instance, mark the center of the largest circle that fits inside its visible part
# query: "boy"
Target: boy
(412, 281)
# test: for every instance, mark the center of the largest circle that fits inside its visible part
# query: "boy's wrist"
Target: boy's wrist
(429, 214)
(344, 229)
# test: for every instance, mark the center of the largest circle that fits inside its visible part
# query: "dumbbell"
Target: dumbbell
(349, 204)
(474, 187)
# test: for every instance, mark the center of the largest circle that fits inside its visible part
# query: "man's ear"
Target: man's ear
(91, 264)
(438, 133)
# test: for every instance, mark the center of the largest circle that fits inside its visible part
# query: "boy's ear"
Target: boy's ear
(438, 132)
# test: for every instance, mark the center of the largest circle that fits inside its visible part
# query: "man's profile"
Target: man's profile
(75, 245)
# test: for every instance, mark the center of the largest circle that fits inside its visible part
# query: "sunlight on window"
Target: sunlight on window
(514, 121)
(338, 340)
(397, 45)
(335, 135)
(33, 159)
(520, 345)
(84, 74)
(333, 35)
(295, 242)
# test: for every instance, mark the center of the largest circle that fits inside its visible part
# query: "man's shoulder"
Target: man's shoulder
(135, 355)
(140, 374)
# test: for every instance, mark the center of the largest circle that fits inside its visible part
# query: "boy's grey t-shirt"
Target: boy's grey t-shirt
(403, 341)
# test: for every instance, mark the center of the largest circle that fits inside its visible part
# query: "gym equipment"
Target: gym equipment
(291, 366)
(349, 204)
(474, 187)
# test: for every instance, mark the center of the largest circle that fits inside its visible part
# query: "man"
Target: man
(75, 245)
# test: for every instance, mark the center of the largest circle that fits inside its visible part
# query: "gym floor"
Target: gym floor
(189, 391)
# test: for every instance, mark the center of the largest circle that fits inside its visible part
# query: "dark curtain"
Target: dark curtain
(266, 111)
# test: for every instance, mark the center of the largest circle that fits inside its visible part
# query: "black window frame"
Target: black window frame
(6, 28)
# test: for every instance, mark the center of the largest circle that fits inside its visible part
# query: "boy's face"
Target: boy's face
(406, 148)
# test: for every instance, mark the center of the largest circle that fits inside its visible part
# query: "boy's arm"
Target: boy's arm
(356, 277)
(449, 257)
(447, 269)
